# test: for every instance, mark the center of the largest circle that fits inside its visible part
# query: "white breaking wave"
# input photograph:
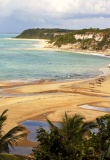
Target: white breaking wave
(106, 70)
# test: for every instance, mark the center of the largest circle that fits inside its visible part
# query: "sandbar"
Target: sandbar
(49, 98)
(52, 99)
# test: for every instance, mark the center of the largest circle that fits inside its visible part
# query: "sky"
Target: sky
(18, 15)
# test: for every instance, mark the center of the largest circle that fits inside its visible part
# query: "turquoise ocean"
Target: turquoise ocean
(23, 60)
(20, 60)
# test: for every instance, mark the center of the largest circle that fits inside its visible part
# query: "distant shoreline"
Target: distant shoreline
(44, 45)
(92, 40)
(35, 99)
(48, 46)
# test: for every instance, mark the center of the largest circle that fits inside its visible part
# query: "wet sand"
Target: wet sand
(52, 99)
(45, 45)
(44, 98)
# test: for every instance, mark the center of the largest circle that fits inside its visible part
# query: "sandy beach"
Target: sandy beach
(45, 45)
(52, 99)
(35, 100)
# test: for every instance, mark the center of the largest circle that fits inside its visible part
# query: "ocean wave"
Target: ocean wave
(100, 55)
(19, 49)
(105, 71)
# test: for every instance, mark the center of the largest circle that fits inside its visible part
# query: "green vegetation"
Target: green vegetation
(85, 43)
(64, 39)
(105, 42)
(59, 37)
(9, 139)
(42, 33)
(73, 140)
(4, 156)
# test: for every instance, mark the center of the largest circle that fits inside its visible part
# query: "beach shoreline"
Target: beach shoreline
(47, 46)
(42, 89)
(44, 45)
(37, 99)
(53, 99)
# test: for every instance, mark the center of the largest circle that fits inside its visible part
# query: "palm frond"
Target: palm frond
(3, 118)
(71, 121)
(4, 113)
(50, 123)
(12, 136)
(89, 125)
(4, 156)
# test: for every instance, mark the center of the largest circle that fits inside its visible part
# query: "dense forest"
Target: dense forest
(42, 33)
(92, 39)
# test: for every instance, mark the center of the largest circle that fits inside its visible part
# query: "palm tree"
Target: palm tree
(75, 127)
(77, 133)
(102, 138)
(10, 138)
(68, 140)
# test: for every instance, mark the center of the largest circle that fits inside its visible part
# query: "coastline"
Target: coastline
(33, 100)
(53, 97)
(65, 48)
(52, 100)
(44, 45)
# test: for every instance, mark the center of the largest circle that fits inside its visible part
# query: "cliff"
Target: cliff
(85, 39)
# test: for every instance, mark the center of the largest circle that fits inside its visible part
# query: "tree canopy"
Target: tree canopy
(74, 139)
